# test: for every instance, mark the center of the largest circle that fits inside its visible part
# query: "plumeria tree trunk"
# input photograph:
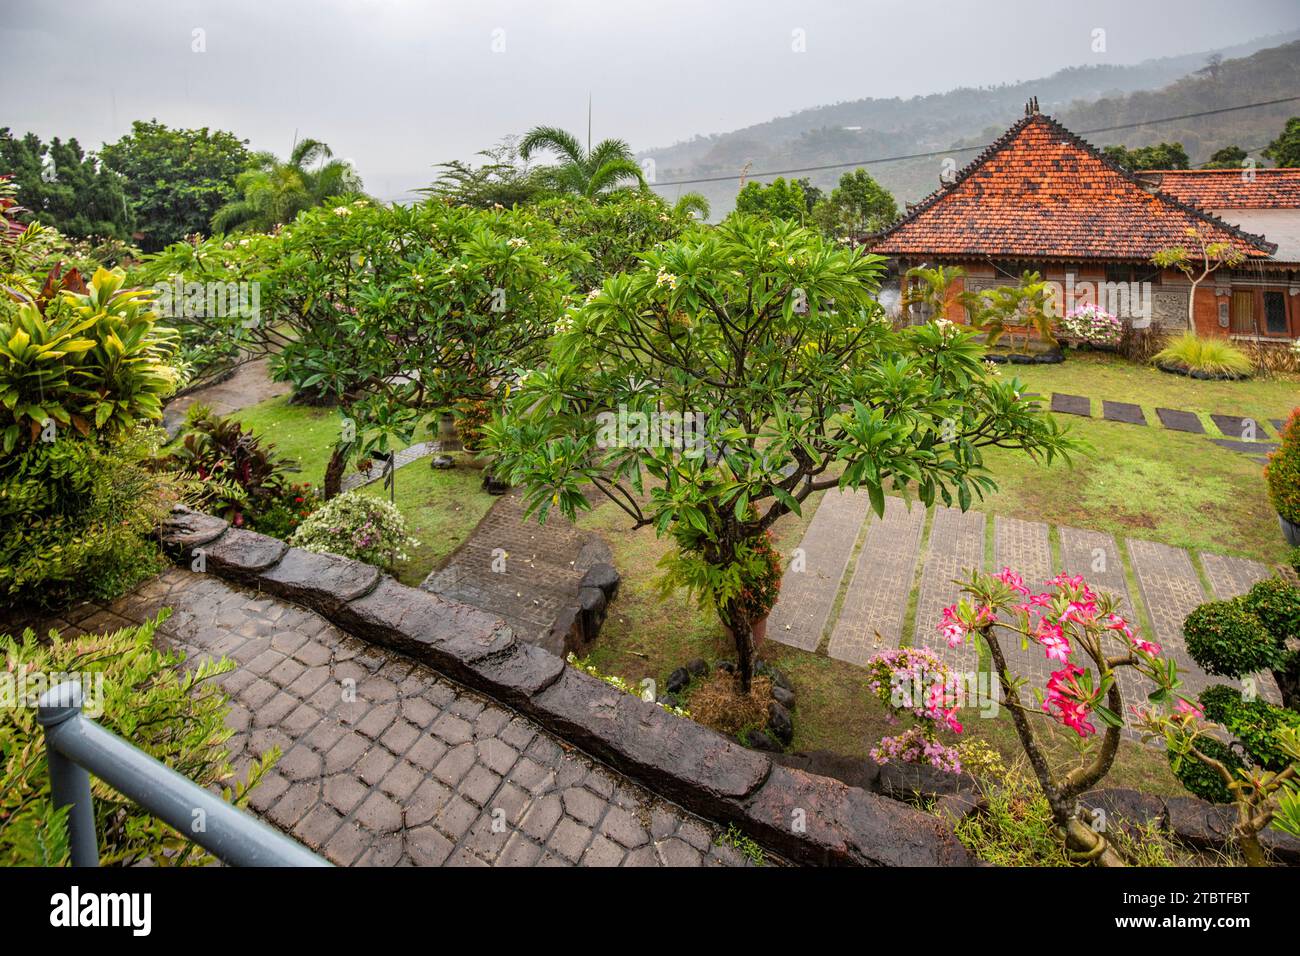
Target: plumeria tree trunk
(338, 463)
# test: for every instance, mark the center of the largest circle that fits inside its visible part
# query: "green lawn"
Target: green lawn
(300, 432)
(441, 507)
(1150, 482)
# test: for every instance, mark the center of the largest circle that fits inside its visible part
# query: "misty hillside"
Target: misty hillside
(1081, 97)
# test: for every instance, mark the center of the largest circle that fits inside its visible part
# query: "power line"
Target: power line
(964, 149)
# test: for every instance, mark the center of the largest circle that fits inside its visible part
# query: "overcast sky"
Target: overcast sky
(397, 85)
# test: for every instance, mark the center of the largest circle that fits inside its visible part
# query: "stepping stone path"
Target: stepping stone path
(1125, 412)
(1243, 429)
(1071, 404)
(1246, 447)
(1180, 421)
(876, 602)
(807, 596)
(528, 574)
(879, 586)
(956, 545)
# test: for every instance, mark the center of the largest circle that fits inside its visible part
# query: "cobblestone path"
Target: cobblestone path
(384, 762)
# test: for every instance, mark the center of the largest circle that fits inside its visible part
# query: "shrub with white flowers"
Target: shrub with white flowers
(1092, 324)
(359, 526)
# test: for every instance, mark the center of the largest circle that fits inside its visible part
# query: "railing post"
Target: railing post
(69, 783)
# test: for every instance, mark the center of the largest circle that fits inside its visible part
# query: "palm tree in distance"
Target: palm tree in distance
(587, 172)
(273, 191)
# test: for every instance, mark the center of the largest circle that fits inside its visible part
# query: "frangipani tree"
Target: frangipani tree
(762, 342)
(1197, 260)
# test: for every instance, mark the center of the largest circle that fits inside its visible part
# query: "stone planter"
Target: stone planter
(448, 440)
(1290, 531)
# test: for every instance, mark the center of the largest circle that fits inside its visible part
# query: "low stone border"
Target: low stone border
(806, 817)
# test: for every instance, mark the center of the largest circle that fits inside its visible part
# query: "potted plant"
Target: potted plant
(1282, 473)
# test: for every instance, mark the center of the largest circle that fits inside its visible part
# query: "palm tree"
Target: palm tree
(274, 191)
(586, 172)
(931, 288)
(694, 204)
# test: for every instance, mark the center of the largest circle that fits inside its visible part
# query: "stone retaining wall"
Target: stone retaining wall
(806, 817)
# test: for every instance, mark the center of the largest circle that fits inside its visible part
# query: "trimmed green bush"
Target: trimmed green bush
(1204, 354)
(1227, 640)
(1201, 779)
(139, 692)
(1253, 722)
(1277, 605)
(1282, 473)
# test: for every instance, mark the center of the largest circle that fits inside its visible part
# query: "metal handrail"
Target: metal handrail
(76, 747)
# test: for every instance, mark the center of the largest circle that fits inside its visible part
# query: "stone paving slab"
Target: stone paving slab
(1024, 546)
(386, 763)
(1125, 412)
(1229, 577)
(1235, 426)
(1245, 447)
(1095, 555)
(1170, 590)
(1180, 421)
(871, 616)
(1072, 404)
(807, 597)
(956, 547)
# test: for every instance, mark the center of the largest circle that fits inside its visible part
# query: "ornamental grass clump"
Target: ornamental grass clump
(1204, 356)
(356, 525)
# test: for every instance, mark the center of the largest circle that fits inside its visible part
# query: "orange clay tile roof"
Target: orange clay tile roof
(1229, 188)
(1040, 192)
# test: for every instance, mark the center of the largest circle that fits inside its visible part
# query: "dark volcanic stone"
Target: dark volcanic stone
(956, 807)
(1125, 412)
(678, 680)
(846, 825)
(592, 603)
(323, 582)
(779, 724)
(678, 758)
(853, 771)
(670, 700)
(447, 635)
(492, 486)
(778, 679)
(907, 781)
(1203, 825)
(783, 697)
(1283, 846)
(1071, 404)
(698, 667)
(603, 576)
(728, 666)
(242, 555)
(1180, 421)
(1245, 447)
(442, 461)
(515, 676)
(185, 529)
(1120, 806)
(757, 738)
